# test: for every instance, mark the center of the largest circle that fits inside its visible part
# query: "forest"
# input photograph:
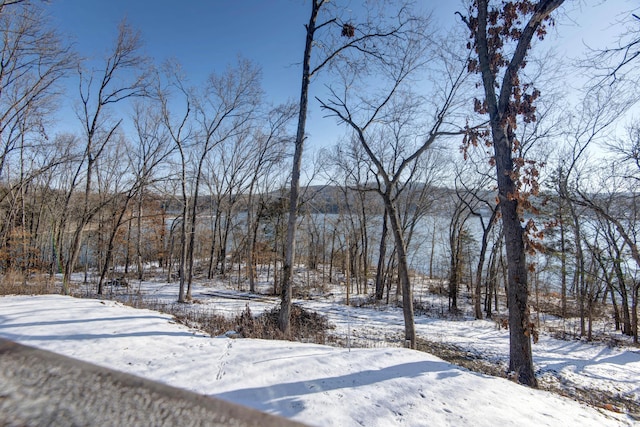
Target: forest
(464, 160)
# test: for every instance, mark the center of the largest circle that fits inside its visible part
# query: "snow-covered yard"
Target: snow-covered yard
(376, 384)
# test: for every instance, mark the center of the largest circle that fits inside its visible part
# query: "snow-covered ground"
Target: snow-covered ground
(569, 365)
(321, 385)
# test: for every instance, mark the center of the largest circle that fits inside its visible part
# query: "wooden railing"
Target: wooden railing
(40, 388)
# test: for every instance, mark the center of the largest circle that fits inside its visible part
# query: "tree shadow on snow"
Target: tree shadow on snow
(4, 324)
(72, 334)
(286, 399)
(80, 337)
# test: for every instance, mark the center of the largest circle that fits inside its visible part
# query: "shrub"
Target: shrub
(18, 283)
(306, 326)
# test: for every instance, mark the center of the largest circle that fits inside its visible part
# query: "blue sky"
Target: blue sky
(206, 35)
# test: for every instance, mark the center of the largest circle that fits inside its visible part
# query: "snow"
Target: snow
(322, 385)
(575, 364)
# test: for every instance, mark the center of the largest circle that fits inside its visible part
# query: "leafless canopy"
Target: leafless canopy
(619, 62)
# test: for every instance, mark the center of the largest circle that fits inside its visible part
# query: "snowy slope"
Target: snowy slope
(568, 365)
(314, 384)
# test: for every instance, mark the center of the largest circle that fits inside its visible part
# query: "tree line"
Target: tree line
(206, 180)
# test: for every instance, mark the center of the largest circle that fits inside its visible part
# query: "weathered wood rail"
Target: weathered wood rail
(40, 388)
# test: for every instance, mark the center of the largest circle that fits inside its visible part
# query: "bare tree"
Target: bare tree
(119, 189)
(340, 39)
(614, 201)
(386, 127)
(222, 111)
(591, 122)
(33, 61)
(4, 3)
(473, 182)
(458, 235)
(130, 179)
(267, 152)
(181, 134)
(123, 76)
(349, 170)
(615, 64)
(512, 24)
(232, 171)
(150, 153)
(415, 200)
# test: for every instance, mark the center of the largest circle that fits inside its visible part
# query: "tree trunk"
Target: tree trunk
(624, 298)
(501, 112)
(483, 253)
(520, 355)
(212, 250)
(403, 273)
(492, 277)
(213, 253)
(456, 226)
(139, 265)
(224, 238)
(380, 272)
(634, 311)
(252, 238)
(127, 251)
(76, 242)
(433, 249)
(182, 266)
(580, 266)
(616, 310)
(563, 264)
(110, 244)
(72, 259)
(453, 276)
(284, 320)
(192, 230)
(364, 241)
